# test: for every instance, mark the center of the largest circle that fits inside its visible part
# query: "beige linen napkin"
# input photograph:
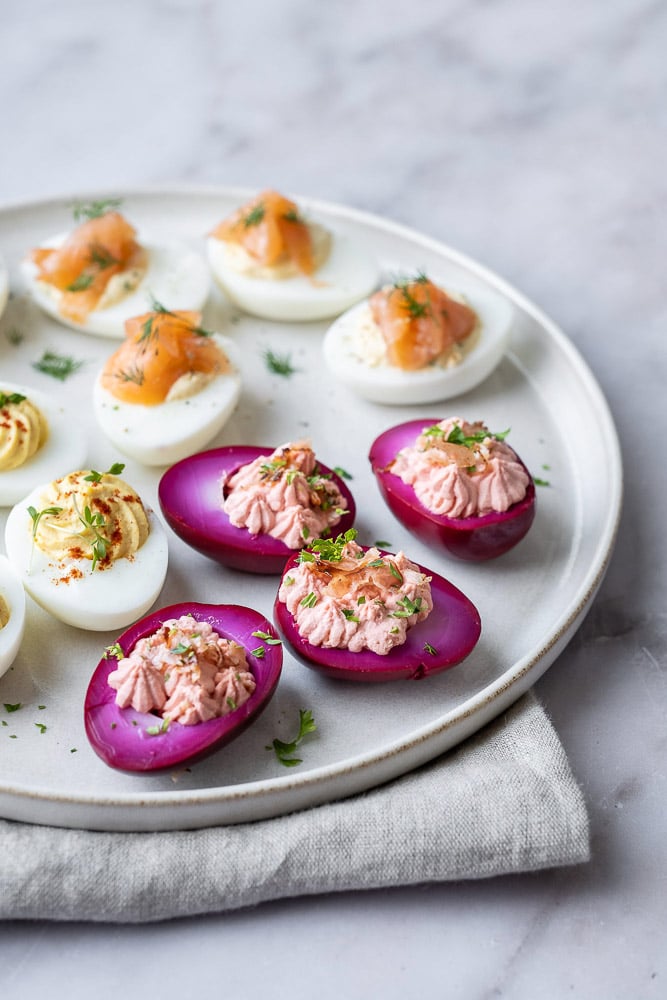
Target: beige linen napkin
(504, 801)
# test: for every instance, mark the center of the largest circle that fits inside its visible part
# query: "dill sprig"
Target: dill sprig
(94, 209)
(279, 364)
(58, 366)
(254, 216)
(148, 329)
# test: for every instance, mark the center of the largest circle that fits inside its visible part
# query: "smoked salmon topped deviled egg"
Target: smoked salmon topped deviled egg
(37, 440)
(87, 549)
(168, 389)
(274, 262)
(414, 342)
(100, 274)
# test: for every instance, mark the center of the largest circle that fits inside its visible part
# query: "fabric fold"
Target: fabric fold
(504, 801)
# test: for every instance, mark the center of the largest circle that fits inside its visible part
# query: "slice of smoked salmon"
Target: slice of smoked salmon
(419, 322)
(270, 229)
(91, 255)
(159, 348)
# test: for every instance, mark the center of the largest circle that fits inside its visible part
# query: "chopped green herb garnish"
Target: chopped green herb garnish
(381, 543)
(279, 364)
(408, 608)
(269, 639)
(231, 704)
(94, 209)
(58, 366)
(73, 750)
(13, 708)
(81, 283)
(349, 615)
(541, 482)
(361, 600)
(284, 751)
(157, 730)
(255, 215)
(291, 215)
(181, 649)
(113, 650)
(329, 549)
(148, 331)
(101, 258)
(260, 652)
(41, 727)
(288, 581)
(395, 571)
(15, 336)
(430, 649)
(342, 473)
(309, 601)
(41, 707)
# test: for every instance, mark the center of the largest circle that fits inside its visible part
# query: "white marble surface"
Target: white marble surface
(532, 137)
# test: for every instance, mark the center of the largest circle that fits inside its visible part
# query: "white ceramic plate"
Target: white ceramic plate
(531, 600)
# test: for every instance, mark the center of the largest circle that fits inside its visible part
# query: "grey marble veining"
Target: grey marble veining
(532, 137)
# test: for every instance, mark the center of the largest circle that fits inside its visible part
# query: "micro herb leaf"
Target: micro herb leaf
(7, 398)
(284, 751)
(181, 649)
(268, 639)
(456, 436)
(41, 727)
(255, 215)
(541, 482)
(58, 366)
(395, 571)
(113, 650)
(309, 601)
(36, 516)
(96, 477)
(349, 615)
(259, 652)
(13, 708)
(94, 209)
(341, 473)
(279, 364)
(95, 522)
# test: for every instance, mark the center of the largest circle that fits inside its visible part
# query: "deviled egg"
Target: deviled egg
(37, 440)
(88, 550)
(413, 342)
(168, 389)
(274, 263)
(12, 614)
(99, 274)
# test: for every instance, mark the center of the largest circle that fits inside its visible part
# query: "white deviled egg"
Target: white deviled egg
(414, 342)
(4, 285)
(168, 389)
(87, 549)
(101, 273)
(12, 614)
(38, 439)
(274, 263)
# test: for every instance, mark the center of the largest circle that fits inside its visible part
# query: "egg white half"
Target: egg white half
(348, 274)
(165, 433)
(100, 600)
(381, 382)
(4, 285)
(176, 276)
(11, 636)
(65, 448)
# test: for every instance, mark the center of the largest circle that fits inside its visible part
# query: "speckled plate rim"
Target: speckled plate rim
(252, 801)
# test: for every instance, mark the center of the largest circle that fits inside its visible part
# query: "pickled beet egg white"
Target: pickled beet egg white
(474, 539)
(138, 741)
(442, 640)
(191, 496)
